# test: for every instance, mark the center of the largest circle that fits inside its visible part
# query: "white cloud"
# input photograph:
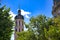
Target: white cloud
(12, 14)
(25, 13)
(27, 16)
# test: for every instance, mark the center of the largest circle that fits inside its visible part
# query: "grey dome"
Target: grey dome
(19, 16)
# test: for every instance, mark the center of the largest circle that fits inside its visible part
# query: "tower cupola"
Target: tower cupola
(19, 16)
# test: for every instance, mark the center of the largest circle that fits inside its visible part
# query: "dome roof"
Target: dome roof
(19, 16)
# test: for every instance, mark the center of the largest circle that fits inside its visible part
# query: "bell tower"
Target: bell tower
(56, 8)
(19, 21)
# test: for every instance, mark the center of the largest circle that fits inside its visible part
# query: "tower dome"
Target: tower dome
(19, 16)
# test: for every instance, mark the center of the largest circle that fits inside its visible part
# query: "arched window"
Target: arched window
(19, 23)
(22, 23)
(16, 29)
(16, 23)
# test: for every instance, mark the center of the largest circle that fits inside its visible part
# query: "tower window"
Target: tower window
(16, 30)
(16, 23)
(22, 23)
(19, 23)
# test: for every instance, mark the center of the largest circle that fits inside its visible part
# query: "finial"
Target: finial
(19, 11)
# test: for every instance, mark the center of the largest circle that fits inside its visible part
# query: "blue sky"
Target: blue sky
(36, 7)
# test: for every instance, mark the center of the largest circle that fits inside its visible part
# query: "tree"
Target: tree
(54, 30)
(6, 24)
(26, 35)
(38, 24)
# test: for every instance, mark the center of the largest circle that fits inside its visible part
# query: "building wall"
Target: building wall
(18, 27)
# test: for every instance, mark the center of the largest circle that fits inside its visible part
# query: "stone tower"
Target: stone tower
(56, 8)
(19, 21)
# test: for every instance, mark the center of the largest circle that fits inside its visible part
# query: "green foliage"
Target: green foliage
(26, 36)
(54, 30)
(6, 24)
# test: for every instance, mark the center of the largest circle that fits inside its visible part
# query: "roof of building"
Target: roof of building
(19, 16)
